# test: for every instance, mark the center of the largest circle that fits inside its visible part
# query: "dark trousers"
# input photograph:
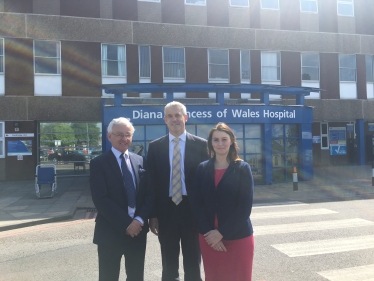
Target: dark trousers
(110, 259)
(179, 229)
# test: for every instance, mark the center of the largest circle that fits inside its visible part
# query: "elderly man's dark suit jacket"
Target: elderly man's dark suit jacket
(110, 198)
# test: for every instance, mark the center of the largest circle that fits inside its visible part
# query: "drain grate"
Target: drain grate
(90, 214)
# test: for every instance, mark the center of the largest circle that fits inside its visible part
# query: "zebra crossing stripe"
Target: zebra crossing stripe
(320, 247)
(310, 226)
(358, 273)
(280, 204)
(288, 214)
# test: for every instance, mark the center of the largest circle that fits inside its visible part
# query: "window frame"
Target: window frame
(2, 139)
(306, 66)
(228, 66)
(239, 6)
(150, 62)
(2, 60)
(102, 60)
(278, 66)
(194, 4)
(325, 136)
(58, 52)
(345, 3)
(163, 63)
(312, 12)
(371, 59)
(340, 68)
(275, 9)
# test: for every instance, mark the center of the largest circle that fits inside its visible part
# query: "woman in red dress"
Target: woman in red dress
(222, 202)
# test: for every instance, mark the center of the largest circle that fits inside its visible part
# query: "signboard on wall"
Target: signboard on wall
(208, 114)
(371, 127)
(338, 141)
(19, 147)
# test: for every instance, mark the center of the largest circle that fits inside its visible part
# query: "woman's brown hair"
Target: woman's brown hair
(233, 151)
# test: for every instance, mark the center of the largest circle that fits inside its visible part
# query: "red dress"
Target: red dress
(233, 265)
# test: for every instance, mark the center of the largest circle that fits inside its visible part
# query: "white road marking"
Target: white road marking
(358, 273)
(280, 204)
(310, 226)
(319, 247)
(288, 214)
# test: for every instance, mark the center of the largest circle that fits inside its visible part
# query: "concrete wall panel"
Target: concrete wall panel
(12, 25)
(193, 36)
(307, 42)
(79, 29)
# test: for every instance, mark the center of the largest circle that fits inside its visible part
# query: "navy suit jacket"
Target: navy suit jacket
(231, 200)
(110, 198)
(159, 169)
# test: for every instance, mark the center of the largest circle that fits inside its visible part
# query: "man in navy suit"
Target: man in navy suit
(124, 202)
(172, 220)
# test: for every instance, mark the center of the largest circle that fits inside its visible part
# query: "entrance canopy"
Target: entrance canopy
(169, 88)
(274, 138)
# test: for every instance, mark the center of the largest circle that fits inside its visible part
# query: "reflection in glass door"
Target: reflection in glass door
(285, 147)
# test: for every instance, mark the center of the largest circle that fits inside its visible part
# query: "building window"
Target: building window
(47, 57)
(174, 62)
(144, 62)
(309, 6)
(270, 66)
(345, 8)
(324, 136)
(1, 55)
(218, 61)
(309, 67)
(347, 68)
(239, 3)
(369, 68)
(2, 140)
(195, 2)
(113, 60)
(270, 4)
(245, 65)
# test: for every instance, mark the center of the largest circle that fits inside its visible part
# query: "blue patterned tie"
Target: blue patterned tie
(129, 182)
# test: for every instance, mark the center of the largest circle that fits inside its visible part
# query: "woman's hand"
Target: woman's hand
(214, 239)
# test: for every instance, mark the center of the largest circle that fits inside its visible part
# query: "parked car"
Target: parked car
(95, 153)
(66, 156)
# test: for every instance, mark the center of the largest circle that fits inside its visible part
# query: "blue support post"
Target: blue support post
(306, 152)
(360, 136)
(268, 154)
(300, 99)
(265, 98)
(220, 98)
(169, 97)
(117, 99)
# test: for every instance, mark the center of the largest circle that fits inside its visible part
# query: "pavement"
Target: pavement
(19, 206)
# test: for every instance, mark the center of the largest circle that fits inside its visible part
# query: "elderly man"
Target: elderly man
(124, 202)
